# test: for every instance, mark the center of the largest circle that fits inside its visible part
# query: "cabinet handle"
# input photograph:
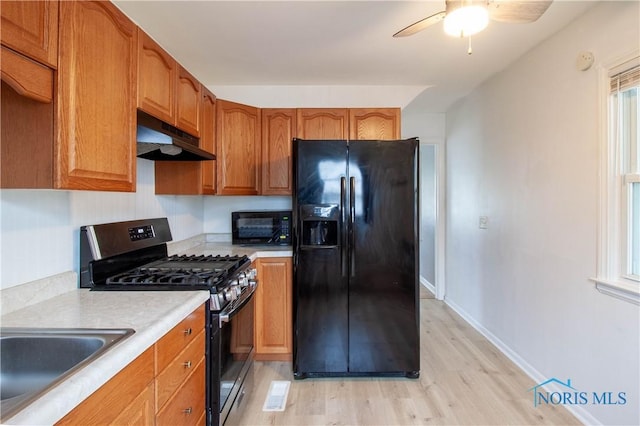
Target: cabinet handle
(187, 411)
(187, 364)
(187, 332)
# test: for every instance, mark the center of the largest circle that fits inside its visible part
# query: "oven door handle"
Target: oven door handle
(236, 305)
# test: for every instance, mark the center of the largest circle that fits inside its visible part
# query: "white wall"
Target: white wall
(40, 228)
(522, 149)
(430, 128)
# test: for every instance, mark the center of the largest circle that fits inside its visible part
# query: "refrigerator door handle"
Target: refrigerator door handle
(352, 224)
(343, 225)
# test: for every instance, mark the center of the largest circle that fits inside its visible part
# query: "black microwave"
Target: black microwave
(262, 227)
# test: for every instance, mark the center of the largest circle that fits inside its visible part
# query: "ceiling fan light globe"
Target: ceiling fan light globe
(466, 21)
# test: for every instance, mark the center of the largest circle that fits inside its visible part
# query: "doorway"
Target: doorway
(432, 219)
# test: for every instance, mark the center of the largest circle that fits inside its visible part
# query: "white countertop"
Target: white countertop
(253, 252)
(150, 313)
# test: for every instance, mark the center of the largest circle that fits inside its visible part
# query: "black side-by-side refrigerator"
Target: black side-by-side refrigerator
(355, 239)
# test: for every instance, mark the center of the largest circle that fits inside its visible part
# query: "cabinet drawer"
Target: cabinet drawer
(172, 343)
(177, 372)
(188, 403)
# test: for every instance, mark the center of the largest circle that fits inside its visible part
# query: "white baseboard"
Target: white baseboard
(428, 285)
(579, 412)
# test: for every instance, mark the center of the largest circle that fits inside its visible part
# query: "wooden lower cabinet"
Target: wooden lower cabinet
(181, 373)
(125, 399)
(187, 404)
(166, 385)
(273, 320)
(141, 411)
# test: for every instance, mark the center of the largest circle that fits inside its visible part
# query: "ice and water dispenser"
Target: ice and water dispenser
(320, 225)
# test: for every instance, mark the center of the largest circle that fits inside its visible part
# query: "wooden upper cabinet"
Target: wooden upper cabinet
(188, 102)
(278, 130)
(208, 141)
(192, 177)
(31, 28)
(157, 79)
(323, 123)
(374, 123)
(29, 33)
(238, 142)
(96, 99)
(166, 90)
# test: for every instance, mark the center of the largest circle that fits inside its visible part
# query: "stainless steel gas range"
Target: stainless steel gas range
(132, 256)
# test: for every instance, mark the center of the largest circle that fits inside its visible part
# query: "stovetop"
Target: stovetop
(196, 272)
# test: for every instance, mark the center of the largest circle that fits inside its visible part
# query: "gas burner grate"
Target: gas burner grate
(199, 271)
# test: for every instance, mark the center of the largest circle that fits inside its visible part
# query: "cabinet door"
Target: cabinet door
(189, 99)
(374, 123)
(273, 309)
(96, 99)
(141, 411)
(238, 148)
(31, 28)
(192, 177)
(129, 391)
(208, 141)
(157, 79)
(323, 123)
(278, 130)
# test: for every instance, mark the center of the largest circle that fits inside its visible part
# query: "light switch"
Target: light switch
(483, 222)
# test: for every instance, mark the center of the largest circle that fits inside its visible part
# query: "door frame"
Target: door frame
(439, 287)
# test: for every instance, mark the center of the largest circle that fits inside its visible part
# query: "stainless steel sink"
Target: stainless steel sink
(33, 360)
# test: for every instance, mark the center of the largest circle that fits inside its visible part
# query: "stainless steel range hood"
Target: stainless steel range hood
(160, 141)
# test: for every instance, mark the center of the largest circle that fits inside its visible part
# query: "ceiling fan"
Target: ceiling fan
(463, 18)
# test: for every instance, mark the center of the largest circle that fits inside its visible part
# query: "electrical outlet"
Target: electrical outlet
(483, 222)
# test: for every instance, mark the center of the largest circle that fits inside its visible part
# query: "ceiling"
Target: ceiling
(345, 43)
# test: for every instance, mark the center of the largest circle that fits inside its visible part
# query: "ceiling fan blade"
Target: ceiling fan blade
(420, 25)
(517, 11)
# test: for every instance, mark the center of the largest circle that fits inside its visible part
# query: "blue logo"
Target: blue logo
(568, 395)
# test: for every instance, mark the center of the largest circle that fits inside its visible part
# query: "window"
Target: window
(619, 238)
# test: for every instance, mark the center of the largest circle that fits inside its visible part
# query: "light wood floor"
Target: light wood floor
(464, 380)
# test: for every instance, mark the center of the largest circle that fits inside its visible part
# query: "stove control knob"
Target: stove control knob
(244, 281)
(252, 273)
(229, 295)
(237, 290)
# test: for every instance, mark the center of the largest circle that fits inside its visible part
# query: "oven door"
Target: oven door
(236, 353)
